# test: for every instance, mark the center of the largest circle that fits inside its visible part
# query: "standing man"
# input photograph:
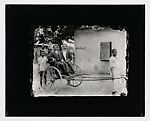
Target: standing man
(114, 68)
(42, 65)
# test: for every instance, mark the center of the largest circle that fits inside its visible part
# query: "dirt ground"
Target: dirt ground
(89, 87)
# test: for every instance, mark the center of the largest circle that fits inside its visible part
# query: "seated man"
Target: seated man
(57, 58)
(67, 58)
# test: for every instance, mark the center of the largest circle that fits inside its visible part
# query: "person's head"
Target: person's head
(114, 52)
(56, 47)
(42, 53)
(64, 46)
(50, 50)
(71, 49)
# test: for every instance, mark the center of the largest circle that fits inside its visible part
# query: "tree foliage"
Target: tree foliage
(56, 33)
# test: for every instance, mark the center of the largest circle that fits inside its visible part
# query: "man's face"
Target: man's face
(115, 53)
(55, 47)
(49, 50)
(64, 46)
(42, 53)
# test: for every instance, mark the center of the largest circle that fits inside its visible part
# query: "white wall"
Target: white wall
(88, 56)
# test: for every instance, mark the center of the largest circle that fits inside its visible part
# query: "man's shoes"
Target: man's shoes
(114, 92)
(122, 94)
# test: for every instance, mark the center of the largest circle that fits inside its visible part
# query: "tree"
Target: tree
(56, 33)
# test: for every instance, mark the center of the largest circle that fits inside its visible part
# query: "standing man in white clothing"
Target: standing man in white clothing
(115, 73)
(42, 65)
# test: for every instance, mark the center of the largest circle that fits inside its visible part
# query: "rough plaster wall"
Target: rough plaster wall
(88, 56)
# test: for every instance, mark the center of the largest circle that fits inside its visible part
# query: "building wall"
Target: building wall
(87, 49)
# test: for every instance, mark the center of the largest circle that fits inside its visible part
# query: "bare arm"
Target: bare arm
(112, 71)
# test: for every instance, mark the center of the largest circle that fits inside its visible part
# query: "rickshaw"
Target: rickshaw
(54, 77)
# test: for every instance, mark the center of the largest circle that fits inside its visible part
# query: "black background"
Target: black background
(20, 23)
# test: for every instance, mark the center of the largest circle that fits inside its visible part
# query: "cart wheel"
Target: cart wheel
(52, 80)
(74, 82)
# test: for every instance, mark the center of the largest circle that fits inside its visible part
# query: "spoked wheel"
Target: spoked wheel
(52, 80)
(75, 81)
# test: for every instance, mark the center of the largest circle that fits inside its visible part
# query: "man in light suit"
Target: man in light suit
(67, 58)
